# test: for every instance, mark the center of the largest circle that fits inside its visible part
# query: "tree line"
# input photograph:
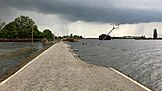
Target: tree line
(21, 28)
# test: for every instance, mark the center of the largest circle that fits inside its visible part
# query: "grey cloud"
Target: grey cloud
(86, 10)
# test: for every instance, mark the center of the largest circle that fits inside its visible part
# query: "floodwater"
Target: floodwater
(12, 47)
(139, 59)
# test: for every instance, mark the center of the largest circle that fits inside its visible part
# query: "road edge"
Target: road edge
(130, 79)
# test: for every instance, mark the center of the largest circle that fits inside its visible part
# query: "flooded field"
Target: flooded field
(139, 59)
(12, 53)
(12, 46)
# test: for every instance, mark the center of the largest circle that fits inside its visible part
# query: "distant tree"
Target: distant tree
(155, 34)
(2, 33)
(143, 37)
(2, 24)
(21, 27)
(81, 37)
(37, 33)
(71, 35)
(77, 37)
(59, 37)
(48, 34)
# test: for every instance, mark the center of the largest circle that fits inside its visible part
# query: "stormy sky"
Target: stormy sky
(137, 17)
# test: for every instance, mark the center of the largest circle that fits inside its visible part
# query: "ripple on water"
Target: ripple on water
(141, 60)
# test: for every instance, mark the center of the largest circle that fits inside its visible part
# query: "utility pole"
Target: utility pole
(32, 45)
(115, 26)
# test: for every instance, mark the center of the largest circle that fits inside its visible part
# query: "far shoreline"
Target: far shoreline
(129, 38)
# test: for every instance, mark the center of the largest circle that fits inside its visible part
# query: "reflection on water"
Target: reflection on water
(140, 59)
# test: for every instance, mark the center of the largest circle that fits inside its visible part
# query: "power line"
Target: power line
(153, 19)
(115, 26)
(130, 17)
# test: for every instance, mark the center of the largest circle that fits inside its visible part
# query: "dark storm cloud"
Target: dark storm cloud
(86, 10)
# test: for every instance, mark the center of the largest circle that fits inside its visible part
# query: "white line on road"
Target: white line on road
(147, 89)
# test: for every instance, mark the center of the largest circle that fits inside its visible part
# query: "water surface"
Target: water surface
(139, 59)
(8, 48)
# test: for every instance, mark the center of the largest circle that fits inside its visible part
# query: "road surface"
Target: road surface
(58, 69)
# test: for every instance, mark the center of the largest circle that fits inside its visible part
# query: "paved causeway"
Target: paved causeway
(58, 70)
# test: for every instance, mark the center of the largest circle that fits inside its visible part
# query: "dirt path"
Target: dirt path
(58, 70)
